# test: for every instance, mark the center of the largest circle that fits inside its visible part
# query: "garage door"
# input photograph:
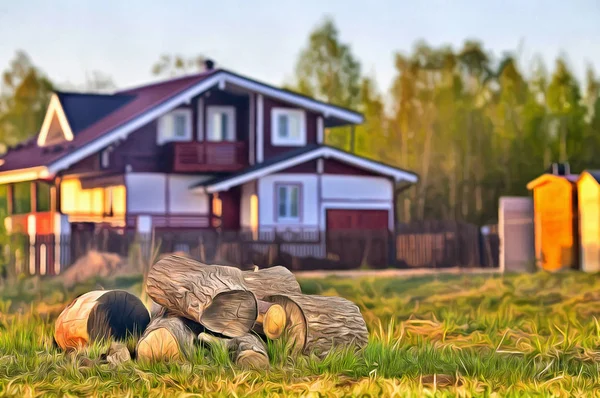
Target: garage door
(356, 237)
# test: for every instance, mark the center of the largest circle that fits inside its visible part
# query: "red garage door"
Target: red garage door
(357, 237)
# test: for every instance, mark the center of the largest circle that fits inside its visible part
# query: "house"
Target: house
(556, 219)
(588, 191)
(210, 150)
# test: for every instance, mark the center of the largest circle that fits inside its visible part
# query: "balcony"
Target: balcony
(189, 157)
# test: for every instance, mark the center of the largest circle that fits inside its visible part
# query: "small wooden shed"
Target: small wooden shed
(588, 191)
(555, 221)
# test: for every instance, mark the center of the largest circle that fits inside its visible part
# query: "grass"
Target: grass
(519, 335)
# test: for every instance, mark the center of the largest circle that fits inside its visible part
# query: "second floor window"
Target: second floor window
(175, 126)
(221, 123)
(288, 127)
(288, 202)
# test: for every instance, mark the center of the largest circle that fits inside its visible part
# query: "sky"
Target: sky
(262, 38)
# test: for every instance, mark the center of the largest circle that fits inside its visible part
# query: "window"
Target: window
(43, 196)
(288, 127)
(175, 126)
(22, 198)
(288, 202)
(221, 123)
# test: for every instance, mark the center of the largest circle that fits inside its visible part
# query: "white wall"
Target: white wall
(248, 190)
(356, 188)
(182, 200)
(266, 195)
(146, 192)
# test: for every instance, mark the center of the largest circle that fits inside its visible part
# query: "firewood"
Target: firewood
(167, 337)
(100, 314)
(214, 296)
(316, 324)
(270, 281)
(271, 320)
(247, 351)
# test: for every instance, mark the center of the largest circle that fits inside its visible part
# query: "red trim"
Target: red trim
(276, 187)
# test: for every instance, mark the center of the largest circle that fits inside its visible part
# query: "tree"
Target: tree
(177, 65)
(328, 70)
(23, 100)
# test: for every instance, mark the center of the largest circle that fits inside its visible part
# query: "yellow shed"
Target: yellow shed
(555, 221)
(588, 190)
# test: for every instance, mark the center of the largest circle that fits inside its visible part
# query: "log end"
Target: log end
(250, 359)
(274, 322)
(158, 345)
(231, 313)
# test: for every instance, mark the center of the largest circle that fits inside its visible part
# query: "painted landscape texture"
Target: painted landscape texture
(471, 335)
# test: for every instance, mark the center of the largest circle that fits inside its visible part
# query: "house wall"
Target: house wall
(356, 188)
(272, 150)
(181, 200)
(164, 201)
(247, 190)
(308, 205)
(322, 192)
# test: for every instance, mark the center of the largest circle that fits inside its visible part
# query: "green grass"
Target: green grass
(520, 335)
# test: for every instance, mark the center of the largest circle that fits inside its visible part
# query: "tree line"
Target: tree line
(473, 126)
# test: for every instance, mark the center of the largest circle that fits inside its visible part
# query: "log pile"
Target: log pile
(195, 303)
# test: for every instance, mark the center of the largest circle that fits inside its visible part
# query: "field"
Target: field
(471, 335)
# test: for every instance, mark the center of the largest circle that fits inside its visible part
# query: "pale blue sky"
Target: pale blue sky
(262, 38)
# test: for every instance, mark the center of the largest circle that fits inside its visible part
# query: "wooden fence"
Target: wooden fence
(417, 245)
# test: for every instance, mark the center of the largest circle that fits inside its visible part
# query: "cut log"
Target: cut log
(271, 281)
(271, 320)
(247, 351)
(316, 324)
(100, 314)
(167, 337)
(214, 296)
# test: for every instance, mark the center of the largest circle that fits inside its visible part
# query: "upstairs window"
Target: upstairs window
(288, 127)
(221, 123)
(288, 202)
(175, 126)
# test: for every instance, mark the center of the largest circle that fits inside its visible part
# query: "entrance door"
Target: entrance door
(358, 237)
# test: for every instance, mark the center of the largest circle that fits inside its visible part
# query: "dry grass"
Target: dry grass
(527, 335)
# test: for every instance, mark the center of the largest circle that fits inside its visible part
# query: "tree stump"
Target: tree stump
(271, 281)
(100, 314)
(214, 296)
(316, 324)
(247, 351)
(167, 337)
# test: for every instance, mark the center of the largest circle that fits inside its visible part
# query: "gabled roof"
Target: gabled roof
(299, 156)
(129, 110)
(83, 110)
(595, 174)
(547, 177)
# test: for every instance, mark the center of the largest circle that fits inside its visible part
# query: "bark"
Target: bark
(247, 351)
(316, 324)
(98, 315)
(167, 337)
(270, 281)
(214, 296)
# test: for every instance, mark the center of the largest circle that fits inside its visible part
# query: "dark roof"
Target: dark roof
(142, 100)
(270, 161)
(83, 110)
(93, 115)
(595, 174)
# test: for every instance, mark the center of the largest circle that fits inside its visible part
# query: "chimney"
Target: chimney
(560, 169)
(209, 64)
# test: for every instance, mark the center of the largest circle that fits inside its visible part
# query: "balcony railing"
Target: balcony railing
(209, 156)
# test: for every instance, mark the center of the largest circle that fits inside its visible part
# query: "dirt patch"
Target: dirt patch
(96, 264)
